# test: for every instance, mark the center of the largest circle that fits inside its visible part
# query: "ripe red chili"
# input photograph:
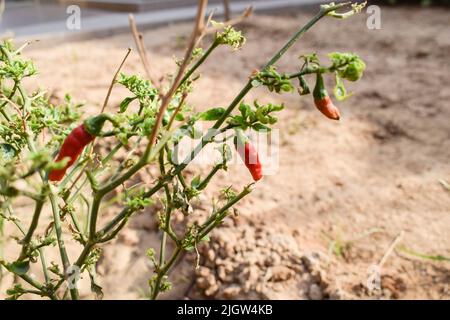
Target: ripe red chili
(323, 101)
(249, 155)
(72, 147)
(77, 140)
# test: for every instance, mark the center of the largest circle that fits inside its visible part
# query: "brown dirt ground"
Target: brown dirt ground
(357, 183)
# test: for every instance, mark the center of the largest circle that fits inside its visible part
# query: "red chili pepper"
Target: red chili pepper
(76, 141)
(72, 147)
(249, 155)
(323, 101)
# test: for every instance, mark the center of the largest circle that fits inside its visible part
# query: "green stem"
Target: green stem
(77, 225)
(216, 218)
(162, 272)
(68, 177)
(61, 245)
(162, 252)
(114, 233)
(219, 217)
(34, 222)
(35, 284)
(123, 164)
(199, 62)
(44, 265)
(11, 95)
(93, 216)
(77, 192)
(208, 178)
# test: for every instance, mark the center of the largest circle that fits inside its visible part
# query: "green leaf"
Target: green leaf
(260, 127)
(212, 114)
(304, 88)
(237, 121)
(286, 86)
(179, 117)
(166, 118)
(125, 103)
(196, 181)
(245, 110)
(7, 152)
(20, 267)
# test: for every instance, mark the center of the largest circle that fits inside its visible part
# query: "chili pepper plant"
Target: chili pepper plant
(48, 157)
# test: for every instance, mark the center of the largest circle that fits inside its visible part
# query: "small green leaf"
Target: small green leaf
(179, 117)
(286, 86)
(20, 267)
(196, 182)
(304, 88)
(237, 121)
(7, 152)
(212, 114)
(125, 103)
(245, 110)
(260, 127)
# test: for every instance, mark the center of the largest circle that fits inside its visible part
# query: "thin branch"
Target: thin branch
(204, 31)
(177, 110)
(34, 223)
(163, 271)
(59, 235)
(113, 81)
(139, 41)
(198, 29)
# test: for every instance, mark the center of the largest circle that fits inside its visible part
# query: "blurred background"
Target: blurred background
(48, 17)
(323, 225)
